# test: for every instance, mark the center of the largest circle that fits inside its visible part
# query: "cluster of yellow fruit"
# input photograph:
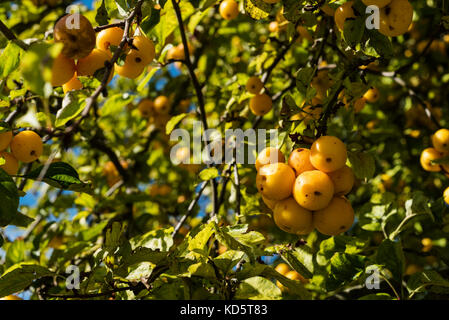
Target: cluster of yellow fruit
(156, 111)
(440, 143)
(79, 40)
(308, 192)
(372, 95)
(287, 272)
(261, 103)
(394, 20)
(26, 146)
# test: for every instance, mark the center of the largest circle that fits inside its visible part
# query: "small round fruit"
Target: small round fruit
(93, 62)
(146, 108)
(290, 217)
(72, 84)
(342, 13)
(328, 153)
(5, 140)
(282, 268)
(109, 37)
(395, 18)
(343, 180)
(275, 181)
(372, 95)
(427, 155)
(132, 67)
(299, 160)
(336, 218)
(273, 26)
(440, 140)
(254, 85)
(27, 146)
(62, 70)
(76, 33)
(260, 104)
(270, 203)
(294, 275)
(175, 53)
(162, 105)
(313, 190)
(229, 9)
(11, 165)
(379, 3)
(269, 155)
(145, 49)
(446, 195)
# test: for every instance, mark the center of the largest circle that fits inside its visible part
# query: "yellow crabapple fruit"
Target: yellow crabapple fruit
(27, 146)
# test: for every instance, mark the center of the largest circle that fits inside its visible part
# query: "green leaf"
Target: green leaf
(296, 264)
(58, 174)
(160, 239)
(168, 22)
(362, 164)
(202, 269)
(9, 199)
(208, 174)
(16, 252)
(20, 276)
(292, 10)
(304, 78)
(199, 242)
(171, 124)
(228, 260)
(141, 270)
(21, 220)
(258, 288)
(390, 255)
(116, 104)
(257, 9)
(72, 105)
(353, 31)
(429, 280)
(10, 59)
(17, 93)
(147, 79)
(148, 24)
(380, 43)
(113, 235)
(102, 15)
(344, 268)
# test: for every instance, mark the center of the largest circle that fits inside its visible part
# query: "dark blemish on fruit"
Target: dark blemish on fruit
(72, 37)
(317, 193)
(138, 60)
(328, 159)
(342, 227)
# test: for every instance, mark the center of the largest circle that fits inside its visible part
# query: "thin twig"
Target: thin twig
(189, 209)
(200, 97)
(11, 36)
(108, 69)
